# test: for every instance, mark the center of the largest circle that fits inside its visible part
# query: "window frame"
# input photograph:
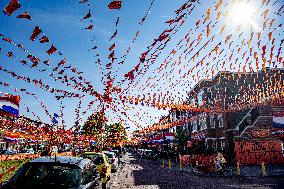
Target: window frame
(203, 121)
(194, 125)
(212, 117)
(220, 125)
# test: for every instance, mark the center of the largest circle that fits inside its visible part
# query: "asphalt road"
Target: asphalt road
(136, 173)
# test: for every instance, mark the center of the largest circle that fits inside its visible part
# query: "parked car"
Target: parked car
(55, 172)
(113, 160)
(117, 152)
(103, 167)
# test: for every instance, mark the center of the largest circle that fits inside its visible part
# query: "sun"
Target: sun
(242, 13)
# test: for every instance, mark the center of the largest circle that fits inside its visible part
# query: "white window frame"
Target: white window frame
(202, 120)
(200, 97)
(194, 126)
(222, 143)
(219, 122)
(211, 117)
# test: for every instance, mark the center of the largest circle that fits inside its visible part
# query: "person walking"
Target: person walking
(219, 161)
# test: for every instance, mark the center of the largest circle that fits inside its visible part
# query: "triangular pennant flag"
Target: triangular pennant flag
(25, 15)
(12, 7)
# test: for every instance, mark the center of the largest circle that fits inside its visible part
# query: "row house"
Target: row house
(231, 98)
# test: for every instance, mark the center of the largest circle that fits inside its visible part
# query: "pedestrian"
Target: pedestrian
(219, 160)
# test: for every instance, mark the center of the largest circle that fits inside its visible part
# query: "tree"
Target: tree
(181, 138)
(115, 133)
(93, 127)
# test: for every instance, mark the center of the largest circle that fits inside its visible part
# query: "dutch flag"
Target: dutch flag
(169, 136)
(10, 105)
(278, 119)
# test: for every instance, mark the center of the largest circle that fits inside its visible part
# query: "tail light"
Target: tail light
(113, 159)
(104, 169)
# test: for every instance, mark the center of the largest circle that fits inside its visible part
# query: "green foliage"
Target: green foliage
(93, 125)
(181, 138)
(115, 130)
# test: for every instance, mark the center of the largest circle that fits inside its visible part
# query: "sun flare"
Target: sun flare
(242, 13)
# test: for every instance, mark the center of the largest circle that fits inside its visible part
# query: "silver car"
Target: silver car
(55, 172)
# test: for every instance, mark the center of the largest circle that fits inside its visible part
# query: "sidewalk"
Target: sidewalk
(245, 170)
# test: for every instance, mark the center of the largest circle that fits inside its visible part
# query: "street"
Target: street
(141, 173)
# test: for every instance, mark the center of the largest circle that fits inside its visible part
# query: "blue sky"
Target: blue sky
(60, 21)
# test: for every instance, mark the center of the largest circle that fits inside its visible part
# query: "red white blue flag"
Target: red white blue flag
(10, 105)
(278, 119)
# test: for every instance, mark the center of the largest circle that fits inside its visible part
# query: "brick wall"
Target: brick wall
(256, 152)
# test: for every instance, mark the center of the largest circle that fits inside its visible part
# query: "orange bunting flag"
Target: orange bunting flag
(51, 50)
(199, 36)
(25, 15)
(12, 7)
(88, 15)
(35, 33)
(197, 23)
(218, 5)
(219, 15)
(207, 15)
(112, 47)
(115, 5)
(222, 29)
(207, 30)
(270, 36)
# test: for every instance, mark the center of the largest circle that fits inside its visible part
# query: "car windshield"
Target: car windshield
(99, 160)
(90, 156)
(54, 174)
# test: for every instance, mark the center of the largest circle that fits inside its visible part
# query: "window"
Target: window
(222, 141)
(215, 145)
(220, 120)
(212, 121)
(282, 148)
(192, 101)
(208, 95)
(194, 126)
(200, 98)
(202, 121)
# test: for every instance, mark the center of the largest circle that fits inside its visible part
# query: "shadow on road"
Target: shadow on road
(149, 173)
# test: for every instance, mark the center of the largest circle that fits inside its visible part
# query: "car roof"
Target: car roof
(80, 162)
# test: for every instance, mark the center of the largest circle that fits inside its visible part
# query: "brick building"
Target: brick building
(234, 113)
